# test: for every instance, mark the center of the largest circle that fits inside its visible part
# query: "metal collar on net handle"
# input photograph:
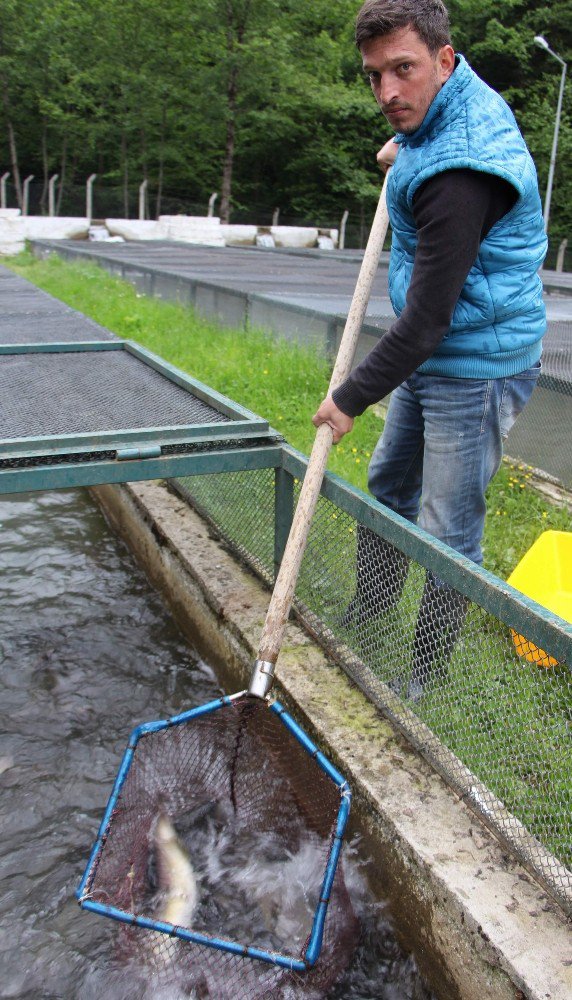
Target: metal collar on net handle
(283, 593)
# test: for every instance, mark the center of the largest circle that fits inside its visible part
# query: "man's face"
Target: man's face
(405, 76)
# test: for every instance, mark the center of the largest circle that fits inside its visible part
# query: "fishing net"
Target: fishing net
(259, 813)
(239, 781)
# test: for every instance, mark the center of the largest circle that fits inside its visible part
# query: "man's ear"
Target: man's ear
(445, 62)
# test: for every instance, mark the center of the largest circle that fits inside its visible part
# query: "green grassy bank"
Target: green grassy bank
(282, 382)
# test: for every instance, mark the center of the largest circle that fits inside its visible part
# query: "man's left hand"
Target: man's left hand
(387, 155)
(328, 413)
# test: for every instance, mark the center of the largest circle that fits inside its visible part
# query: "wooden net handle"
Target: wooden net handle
(283, 593)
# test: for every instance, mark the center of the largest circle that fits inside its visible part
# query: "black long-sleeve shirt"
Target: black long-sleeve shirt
(453, 213)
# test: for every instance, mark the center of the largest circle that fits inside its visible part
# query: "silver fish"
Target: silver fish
(178, 894)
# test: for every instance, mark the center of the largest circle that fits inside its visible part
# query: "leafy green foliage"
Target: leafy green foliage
(267, 93)
(497, 37)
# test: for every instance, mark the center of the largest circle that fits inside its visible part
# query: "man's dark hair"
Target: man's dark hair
(429, 18)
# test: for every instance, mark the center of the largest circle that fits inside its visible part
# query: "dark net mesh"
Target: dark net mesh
(255, 815)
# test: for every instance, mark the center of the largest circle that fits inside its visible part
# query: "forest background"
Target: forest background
(262, 101)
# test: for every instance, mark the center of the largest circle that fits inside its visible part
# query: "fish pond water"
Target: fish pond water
(88, 650)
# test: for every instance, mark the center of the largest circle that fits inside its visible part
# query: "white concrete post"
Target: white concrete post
(26, 194)
(3, 180)
(52, 195)
(212, 200)
(89, 196)
(142, 190)
(342, 239)
(276, 216)
(560, 258)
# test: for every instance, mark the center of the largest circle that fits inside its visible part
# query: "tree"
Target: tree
(497, 36)
(262, 100)
(11, 82)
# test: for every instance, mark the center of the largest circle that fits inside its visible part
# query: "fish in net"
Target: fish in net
(250, 824)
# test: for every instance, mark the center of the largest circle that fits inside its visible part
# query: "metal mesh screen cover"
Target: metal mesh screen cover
(316, 285)
(85, 392)
(498, 725)
(540, 437)
(242, 505)
(57, 327)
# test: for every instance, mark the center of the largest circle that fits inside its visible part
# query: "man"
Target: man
(464, 353)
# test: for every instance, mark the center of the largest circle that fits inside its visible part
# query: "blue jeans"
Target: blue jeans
(441, 445)
(440, 448)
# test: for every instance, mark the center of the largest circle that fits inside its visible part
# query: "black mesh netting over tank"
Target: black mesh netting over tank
(256, 816)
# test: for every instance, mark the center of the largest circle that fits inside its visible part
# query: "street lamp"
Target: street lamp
(543, 44)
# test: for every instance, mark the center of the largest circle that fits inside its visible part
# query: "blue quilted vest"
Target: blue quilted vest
(499, 319)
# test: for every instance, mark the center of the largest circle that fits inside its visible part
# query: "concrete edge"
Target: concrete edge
(478, 925)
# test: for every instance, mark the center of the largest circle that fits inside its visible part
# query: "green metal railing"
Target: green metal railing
(495, 725)
(85, 413)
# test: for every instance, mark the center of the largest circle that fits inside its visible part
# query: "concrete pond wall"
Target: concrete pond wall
(478, 924)
(16, 228)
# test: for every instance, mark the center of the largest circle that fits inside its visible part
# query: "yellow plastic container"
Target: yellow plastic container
(545, 574)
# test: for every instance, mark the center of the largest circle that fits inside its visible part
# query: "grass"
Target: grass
(284, 383)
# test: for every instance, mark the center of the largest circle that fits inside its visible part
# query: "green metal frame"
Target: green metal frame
(50, 462)
(98, 473)
(525, 616)
(126, 455)
(493, 595)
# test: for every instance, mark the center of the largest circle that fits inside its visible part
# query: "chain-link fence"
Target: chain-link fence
(111, 200)
(119, 202)
(435, 642)
(541, 436)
